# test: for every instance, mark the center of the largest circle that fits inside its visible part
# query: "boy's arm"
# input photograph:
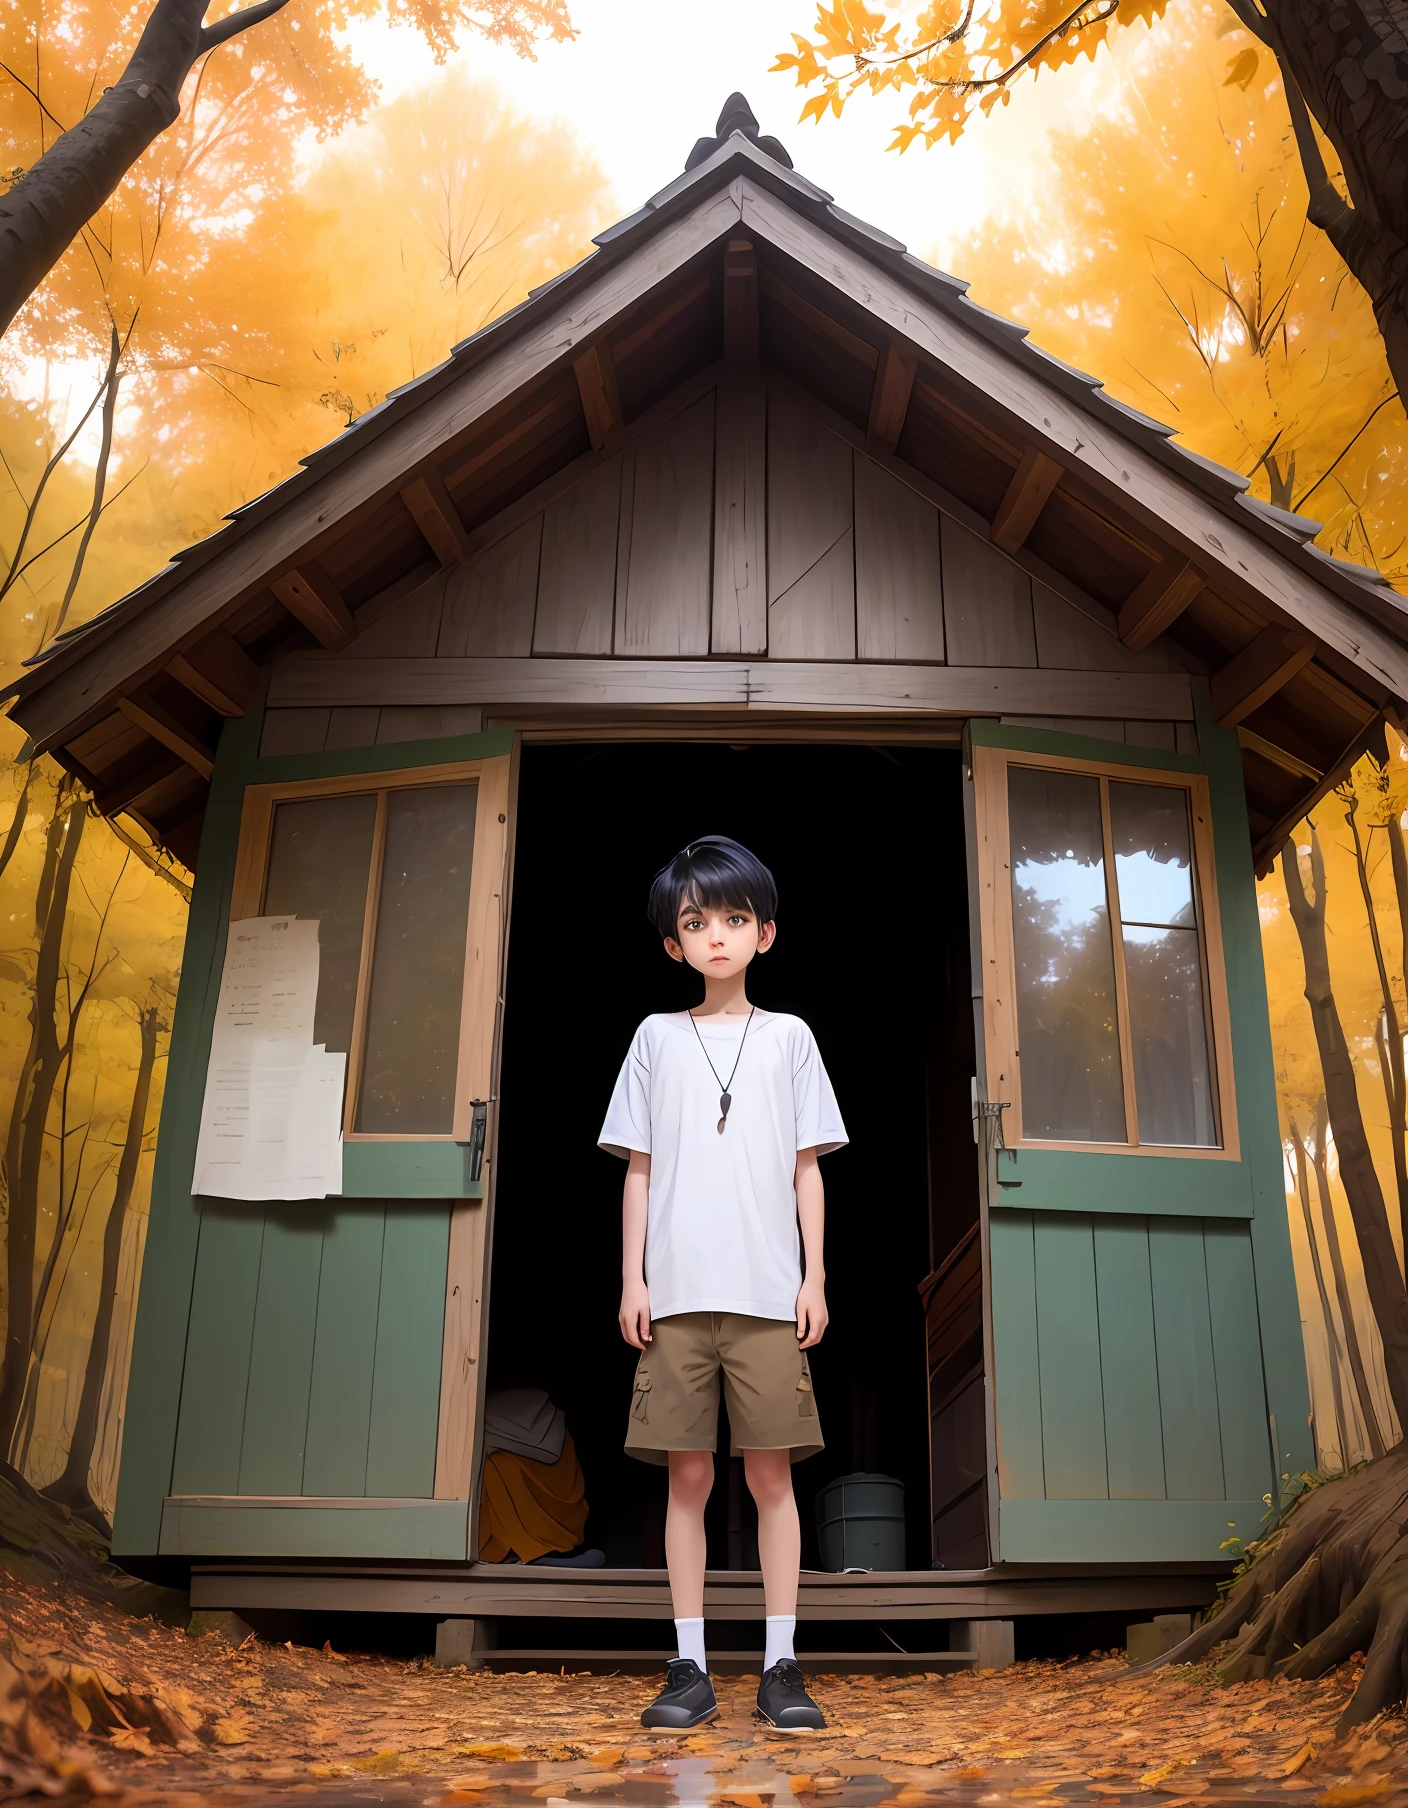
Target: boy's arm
(634, 1316)
(812, 1315)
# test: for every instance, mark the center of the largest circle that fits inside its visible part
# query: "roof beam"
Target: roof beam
(132, 789)
(162, 726)
(1258, 672)
(595, 371)
(219, 672)
(310, 595)
(1278, 756)
(1036, 477)
(889, 399)
(741, 302)
(1157, 601)
(437, 517)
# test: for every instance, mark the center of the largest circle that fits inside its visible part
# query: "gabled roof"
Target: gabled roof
(1143, 535)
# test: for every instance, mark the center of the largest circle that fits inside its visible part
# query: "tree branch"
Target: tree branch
(1392, 397)
(225, 29)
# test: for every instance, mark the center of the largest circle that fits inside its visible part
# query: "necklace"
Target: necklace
(725, 1095)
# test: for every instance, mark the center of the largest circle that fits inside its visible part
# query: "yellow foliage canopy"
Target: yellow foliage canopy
(955, 56)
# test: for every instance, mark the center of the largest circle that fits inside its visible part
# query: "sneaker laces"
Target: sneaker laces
(677, 1677)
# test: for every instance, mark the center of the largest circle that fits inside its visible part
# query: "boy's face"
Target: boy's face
(718, 941)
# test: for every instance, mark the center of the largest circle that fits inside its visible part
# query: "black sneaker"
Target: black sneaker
(783, 1700)
(687, 1698)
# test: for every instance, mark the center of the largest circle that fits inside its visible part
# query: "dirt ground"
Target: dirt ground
(97, 1702)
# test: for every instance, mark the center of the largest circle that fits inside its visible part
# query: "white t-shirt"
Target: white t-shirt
(722, 1232)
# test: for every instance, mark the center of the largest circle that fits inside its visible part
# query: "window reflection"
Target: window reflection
(1152, 841)
(320, 854)
(1072, 1088)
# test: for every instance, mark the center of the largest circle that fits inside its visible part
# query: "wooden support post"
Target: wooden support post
(601, 400)
(219, 672)
(162, 726)
(1258, 672)
(1156, 601)
(1036, 477)
(437, 517)
(740, 302)
(133, 789)
(310, 594)
(889, 399)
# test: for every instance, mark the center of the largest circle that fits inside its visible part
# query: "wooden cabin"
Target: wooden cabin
(750, 523)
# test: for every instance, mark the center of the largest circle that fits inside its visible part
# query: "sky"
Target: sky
(644, 79)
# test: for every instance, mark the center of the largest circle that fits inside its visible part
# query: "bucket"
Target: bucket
(860, 1523)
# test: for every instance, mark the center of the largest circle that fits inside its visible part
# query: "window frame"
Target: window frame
(485, 928)
(997, 950)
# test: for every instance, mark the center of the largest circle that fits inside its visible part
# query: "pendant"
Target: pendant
(725, 1100)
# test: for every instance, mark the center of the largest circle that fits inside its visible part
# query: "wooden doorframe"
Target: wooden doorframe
(460, 1429)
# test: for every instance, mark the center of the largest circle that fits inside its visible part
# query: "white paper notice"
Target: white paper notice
(271, 1127)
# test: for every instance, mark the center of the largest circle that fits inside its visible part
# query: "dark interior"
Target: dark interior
(872, 950)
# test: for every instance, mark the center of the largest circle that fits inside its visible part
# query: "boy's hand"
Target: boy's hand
(634, 1317)
(812, 1316)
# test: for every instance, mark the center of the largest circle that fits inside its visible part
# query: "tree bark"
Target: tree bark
(24, 1147)
(1331, 1340)
(1357, 1172)
(1357, 1368)
(50, 204)
(1347, 67)
(71, 1488)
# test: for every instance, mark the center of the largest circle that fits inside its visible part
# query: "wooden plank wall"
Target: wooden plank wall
(622, 561)
(313, 1353)
(1121, 1341)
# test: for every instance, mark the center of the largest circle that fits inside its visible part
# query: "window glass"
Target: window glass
(1067, 1019)
(319, 861)
(1163, 964)
(413, 1014)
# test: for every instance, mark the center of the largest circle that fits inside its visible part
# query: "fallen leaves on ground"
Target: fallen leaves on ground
(94, 1702)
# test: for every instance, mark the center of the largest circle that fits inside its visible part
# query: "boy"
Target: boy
(721, 1113)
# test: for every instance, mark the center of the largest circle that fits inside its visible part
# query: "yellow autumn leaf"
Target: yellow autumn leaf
(380, 1764)
(1350, 1795)
(236, 1728)
(133, 1739)
(1241, 70)
(493, 1752)
(1292, 1765)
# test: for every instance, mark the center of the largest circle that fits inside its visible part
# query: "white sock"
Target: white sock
(780, 1627)
(689, 1637)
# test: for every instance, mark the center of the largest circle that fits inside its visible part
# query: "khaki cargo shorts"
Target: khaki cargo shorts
(767, 1384)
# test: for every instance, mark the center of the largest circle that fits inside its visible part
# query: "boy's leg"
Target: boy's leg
(769, 1474)
(691, 1479)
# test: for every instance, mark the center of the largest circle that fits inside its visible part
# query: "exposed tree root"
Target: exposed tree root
(1330, 1581)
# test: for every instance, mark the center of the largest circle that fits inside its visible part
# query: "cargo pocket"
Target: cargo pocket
(806, 1405)
(640, 1404)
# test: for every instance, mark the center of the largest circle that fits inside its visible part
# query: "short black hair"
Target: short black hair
(711, 872)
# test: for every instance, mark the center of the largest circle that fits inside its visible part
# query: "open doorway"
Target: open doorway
(867, 846)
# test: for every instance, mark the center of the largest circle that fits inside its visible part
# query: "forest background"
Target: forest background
(303, 241)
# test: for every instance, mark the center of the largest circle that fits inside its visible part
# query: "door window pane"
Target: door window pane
(413, 1015)
(1067, 1022)
(319, 861)
(1163, 964)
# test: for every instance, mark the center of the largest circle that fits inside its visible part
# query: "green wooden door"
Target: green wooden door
(1145, 1332)
(312, 1374)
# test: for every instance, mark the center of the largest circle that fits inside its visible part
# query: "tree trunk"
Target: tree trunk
(1331, 1580)
(1349, 66)
(1331, 1340)
(1321, 1161)
(1391, 1040)
(1357, 1172)
(50, 204)
(24, 1148)
(71, 1488)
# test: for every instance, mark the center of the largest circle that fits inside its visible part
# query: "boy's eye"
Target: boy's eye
(737, 922)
